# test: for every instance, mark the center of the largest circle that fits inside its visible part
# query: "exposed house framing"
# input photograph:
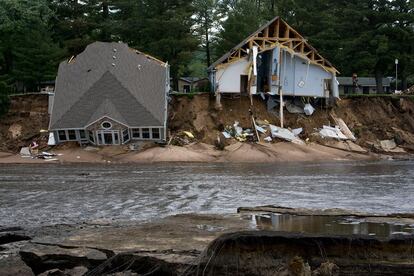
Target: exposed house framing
(276, 62)
(276, 33)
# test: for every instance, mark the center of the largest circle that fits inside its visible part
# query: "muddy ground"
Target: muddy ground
(201, 245)
(27, 116)
(371, 119)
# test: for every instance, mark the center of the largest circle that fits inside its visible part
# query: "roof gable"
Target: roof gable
(275, 33)
(142, 77)
(107, 97)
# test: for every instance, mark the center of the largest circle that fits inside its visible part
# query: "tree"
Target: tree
(28, 53)
(162, 28)
(207, 19)
(244, 18)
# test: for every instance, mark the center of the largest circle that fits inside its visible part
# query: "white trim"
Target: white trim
(108, 118)
(167, 91)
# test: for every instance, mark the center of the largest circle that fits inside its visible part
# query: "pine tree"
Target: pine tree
(29, 54)
(162, 28)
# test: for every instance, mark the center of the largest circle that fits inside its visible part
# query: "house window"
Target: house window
(62, 135)
(155, 133)
(136, 133)
(82, 134)
(106, 125)
(146, 133)
(72, 135)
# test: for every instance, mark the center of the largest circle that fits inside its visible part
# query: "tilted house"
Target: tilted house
(275, 60)
(110, 94)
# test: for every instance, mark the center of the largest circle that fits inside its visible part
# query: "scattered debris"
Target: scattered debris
(297, 131)
(237, 129)
(332, 132)
(25, 152)
(343, 127)
(237, 132)
(285, 134)
(261, 129)
(34, 145)
(189, 134)
(294, 109)
(268, 139)
(133, 147)
(29, 152)
(226, 135)
(309, 110)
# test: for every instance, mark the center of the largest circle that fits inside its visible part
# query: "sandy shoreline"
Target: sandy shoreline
(200, 152)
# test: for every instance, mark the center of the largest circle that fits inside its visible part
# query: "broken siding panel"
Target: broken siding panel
(296, 70)
(228, 78)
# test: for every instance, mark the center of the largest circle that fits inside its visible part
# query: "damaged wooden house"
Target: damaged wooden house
(110, 94)
(275, 61)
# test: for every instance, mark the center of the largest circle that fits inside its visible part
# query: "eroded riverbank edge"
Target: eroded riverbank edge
(194, 244)
(203, 153)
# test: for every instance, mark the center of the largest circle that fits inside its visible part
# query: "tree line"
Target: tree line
(357, 36)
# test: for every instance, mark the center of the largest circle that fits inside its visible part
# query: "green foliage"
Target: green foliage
(161, 28)
(4, 98)
(243, 19)
(29, 56)
(357, 36)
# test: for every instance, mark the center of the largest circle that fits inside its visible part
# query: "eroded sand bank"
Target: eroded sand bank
(238, 152)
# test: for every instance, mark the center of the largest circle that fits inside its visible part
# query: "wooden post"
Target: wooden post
(218, 100)
(281, 109)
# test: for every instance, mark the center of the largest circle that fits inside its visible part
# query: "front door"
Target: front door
(108, 137)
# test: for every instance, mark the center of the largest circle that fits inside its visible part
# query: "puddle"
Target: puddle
(328, 225)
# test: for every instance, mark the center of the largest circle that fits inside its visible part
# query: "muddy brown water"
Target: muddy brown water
(56, 194)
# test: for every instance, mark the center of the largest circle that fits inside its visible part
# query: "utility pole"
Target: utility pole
(396, 75)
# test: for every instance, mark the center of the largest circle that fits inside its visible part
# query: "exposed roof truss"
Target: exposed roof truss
(276, 33)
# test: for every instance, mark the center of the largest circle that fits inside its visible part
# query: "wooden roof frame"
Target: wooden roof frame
(275, 33)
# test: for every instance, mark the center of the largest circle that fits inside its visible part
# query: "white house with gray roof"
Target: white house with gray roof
(110, 94)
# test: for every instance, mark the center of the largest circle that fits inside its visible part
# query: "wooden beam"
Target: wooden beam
(266, 33)
(277, 28)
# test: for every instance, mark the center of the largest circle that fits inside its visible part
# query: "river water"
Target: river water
(54, 194)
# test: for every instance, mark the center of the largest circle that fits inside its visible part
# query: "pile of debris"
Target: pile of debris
(263, 131)
(237, 132)
(183, 138)
(32, 151)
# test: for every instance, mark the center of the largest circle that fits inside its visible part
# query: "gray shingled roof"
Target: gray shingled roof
(113, 80)
(363, 81)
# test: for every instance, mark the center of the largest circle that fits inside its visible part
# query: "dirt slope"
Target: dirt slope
(371, 119)
(22, 124)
